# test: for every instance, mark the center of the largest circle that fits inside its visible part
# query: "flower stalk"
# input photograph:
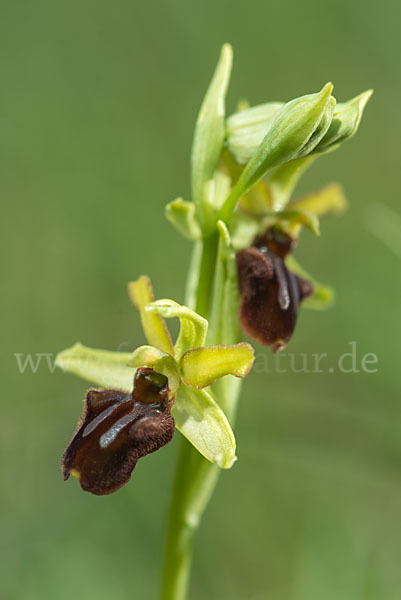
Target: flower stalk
(195, 477)
(244, 227)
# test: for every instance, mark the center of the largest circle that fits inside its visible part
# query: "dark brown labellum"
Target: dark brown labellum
(270, 293)
(116, 430)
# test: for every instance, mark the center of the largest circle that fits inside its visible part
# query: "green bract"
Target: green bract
(210, 133)
(188, 365)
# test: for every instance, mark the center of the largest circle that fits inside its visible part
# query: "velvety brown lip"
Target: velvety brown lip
(270, 293)
(116, 430)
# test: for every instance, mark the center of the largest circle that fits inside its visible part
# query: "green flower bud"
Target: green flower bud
(321, 129)
(291, 129)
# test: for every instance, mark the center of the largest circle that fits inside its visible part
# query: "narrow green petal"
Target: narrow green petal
(193, 327)
(101, 367)
(202, 366)
(140, 293)
(181, 214)
(328, 200)
(323, 296)
(200, 419)
(148, 356)
(210, 128)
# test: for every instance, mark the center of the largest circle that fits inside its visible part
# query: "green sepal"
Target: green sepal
(328, 200)
(193, 327)
(290, 130)
(140, 293)
(201, 420)
(181, 215)
(148, 356)
(101, 367)
(345, 123)
(323, 296)
(201, 367)
(210, 131)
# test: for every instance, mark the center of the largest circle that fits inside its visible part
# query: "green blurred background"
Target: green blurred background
(97, 106)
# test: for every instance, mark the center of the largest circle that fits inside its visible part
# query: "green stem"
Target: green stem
(206, 274)
(194, 484)
(230, 202)
(195, 478)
